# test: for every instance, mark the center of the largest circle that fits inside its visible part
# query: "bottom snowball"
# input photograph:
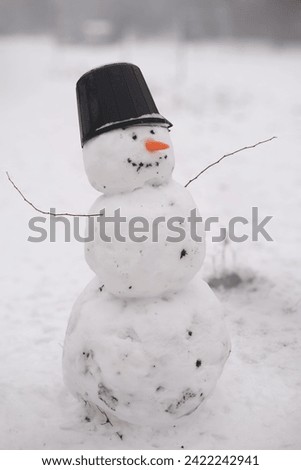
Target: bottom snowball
(146, 361)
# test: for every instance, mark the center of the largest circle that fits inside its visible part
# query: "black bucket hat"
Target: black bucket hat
(114, 96)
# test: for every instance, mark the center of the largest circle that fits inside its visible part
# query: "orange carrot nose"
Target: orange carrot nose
(154, 145)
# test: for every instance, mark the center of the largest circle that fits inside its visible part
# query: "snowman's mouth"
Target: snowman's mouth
(140, 165)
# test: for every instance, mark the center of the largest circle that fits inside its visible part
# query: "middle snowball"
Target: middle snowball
(146, 225)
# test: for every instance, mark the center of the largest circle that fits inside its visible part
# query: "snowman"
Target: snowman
(146, 341)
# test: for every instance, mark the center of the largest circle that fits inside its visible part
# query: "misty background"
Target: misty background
(99, 21)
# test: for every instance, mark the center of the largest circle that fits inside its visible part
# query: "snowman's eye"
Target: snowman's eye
(134, 136)
(152, 131)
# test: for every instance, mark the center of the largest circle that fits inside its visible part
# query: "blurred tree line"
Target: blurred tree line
(97, 21)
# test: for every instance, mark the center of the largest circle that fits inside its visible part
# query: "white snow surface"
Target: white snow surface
(220, 97)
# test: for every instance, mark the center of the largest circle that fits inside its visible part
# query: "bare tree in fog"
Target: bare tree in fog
(97, 21)
(26, 16)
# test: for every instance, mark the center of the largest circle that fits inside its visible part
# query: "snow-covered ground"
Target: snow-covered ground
(220, 97)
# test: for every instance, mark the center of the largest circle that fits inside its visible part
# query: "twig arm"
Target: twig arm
(229, 155)
(69, 214)
(46, 212)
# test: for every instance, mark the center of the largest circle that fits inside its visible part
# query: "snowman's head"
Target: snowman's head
(125, 159)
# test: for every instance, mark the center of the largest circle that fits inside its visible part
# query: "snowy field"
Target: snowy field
(220, 97)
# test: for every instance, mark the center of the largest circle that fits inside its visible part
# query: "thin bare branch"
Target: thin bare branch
(67, 214)
(229, 155)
